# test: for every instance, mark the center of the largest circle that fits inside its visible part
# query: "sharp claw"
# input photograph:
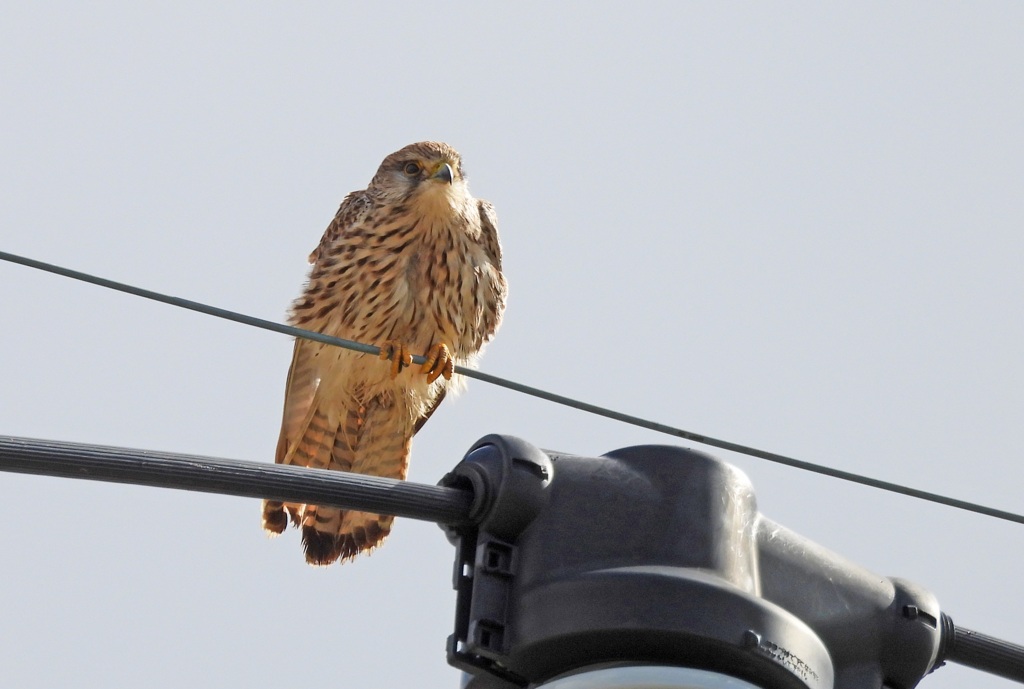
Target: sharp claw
(398, 354)
(431, 361)
(438, 363)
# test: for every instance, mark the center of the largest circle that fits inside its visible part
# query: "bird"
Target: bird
(412, 264)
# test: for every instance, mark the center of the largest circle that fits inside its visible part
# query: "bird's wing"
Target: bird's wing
(307, 436)
(295, 445)
(299, 393)
(489, 232)
(304, 373)
(350, 212)
(492, 247)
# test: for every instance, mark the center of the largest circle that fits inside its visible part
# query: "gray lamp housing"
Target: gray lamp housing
(656, 556)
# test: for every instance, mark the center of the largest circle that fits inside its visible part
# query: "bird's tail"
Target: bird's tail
(371, 439)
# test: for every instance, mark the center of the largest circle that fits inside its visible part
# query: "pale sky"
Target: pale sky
(795, 226)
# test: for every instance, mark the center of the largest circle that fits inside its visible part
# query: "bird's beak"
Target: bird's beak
(444, 174)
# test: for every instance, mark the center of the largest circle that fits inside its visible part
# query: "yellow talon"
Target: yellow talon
(398, 354)
(439, 362)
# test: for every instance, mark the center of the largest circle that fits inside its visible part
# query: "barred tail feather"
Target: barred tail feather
(371, 439)
(383, 450)
(326, 445)
(312, 449)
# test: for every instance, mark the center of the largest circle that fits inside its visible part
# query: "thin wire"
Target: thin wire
(525, 389)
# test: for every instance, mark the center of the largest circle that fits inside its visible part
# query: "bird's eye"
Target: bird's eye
(412, 169)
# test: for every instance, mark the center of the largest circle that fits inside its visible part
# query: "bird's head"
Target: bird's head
(428, 172)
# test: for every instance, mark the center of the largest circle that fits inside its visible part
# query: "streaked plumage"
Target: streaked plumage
(413, 260)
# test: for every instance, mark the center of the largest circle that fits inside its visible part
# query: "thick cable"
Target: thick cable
(524, 389)
(981, 651)
(234, 477)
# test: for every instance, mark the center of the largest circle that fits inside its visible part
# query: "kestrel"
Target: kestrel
(411, 263)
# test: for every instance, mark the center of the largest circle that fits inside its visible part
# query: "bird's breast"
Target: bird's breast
(419, 281)
(436, 270)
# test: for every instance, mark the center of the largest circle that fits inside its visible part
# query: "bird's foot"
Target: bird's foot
(398, 354)
(439, 362)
